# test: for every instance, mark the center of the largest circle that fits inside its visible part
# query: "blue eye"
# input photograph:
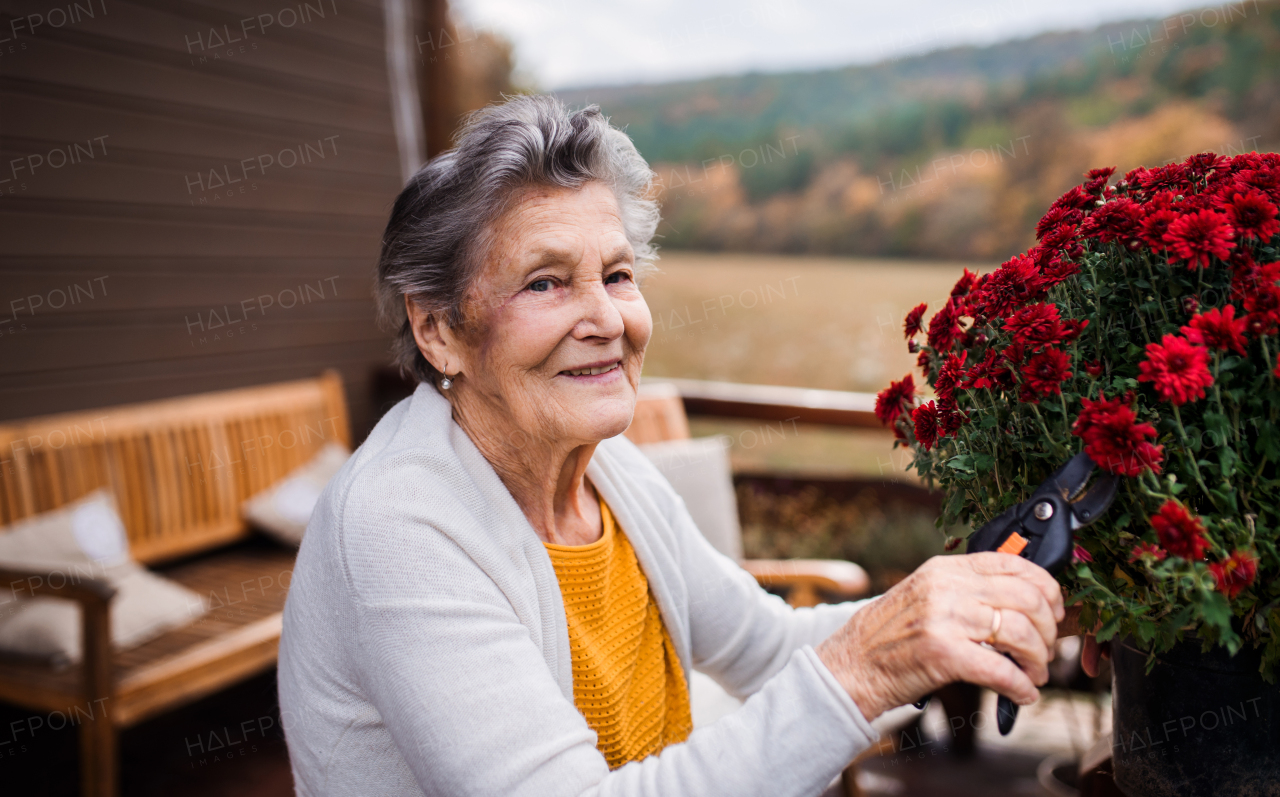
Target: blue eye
(540, 285)
(609, 280)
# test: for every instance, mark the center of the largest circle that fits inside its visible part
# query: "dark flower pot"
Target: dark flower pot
(1199, 724)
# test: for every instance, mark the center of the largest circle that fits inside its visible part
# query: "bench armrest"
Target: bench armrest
(805, 580)
(94, 596)
(56, 585)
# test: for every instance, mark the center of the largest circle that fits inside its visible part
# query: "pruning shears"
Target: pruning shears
(1041, 529)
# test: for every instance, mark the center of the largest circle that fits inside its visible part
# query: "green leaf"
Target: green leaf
(1228, 459)
(1110, 627)
(1194, 437)
(1216, 611)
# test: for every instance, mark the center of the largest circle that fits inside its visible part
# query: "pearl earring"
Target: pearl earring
(446, 383)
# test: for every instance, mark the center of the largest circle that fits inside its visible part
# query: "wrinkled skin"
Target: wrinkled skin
(926, 631)
(556, 292)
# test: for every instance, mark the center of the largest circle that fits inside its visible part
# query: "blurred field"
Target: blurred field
(820, 322)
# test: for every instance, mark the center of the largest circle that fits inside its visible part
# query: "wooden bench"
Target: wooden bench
(179, 470)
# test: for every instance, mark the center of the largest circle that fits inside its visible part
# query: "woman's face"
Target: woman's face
(556, 327)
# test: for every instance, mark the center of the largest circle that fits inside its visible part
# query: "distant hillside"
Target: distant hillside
(952, 153)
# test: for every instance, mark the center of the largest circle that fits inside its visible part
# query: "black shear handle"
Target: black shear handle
(1040, 530)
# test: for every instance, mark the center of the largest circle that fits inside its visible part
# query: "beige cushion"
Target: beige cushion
(699, 471)
(84, 539)
(283, 509)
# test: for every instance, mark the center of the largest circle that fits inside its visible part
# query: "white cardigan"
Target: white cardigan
(425, 648)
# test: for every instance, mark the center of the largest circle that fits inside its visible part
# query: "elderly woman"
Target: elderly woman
(499, 594)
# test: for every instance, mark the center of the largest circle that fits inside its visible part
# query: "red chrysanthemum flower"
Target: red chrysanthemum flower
(1205, 164)
(1095, 186)
(1093, 368)
(1262, 308)
(1058, 270)
(950, 418)
(1064, 236)
(1199, 237)
(894, 399)
(1056, 218)
(1074, 199)
(949, 376)
(1177, 368)
(1252, 215)
(1132, 179)
(925, 419)
(1155, 226)
(1217, 329)
(965, 284)
(1079, 554)
(1044, 374)
(1014, 284)
(1147, 549)
(1115, 220)
(922, 361)
(1255, 286)
(1235, 573)
(1071, 329)
(1265, 180)
(944, 328)
(1103, 172)
(1114, 439)
(1180, 532)
(911, 325)
(1164, 178)
(1036, 325)
(1246, 274)
(1014, 353)
(991, 372)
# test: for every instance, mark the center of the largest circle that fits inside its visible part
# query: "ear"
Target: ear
(435, 339)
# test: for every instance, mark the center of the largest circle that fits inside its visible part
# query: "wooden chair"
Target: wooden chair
(660, 417)
(179, 470)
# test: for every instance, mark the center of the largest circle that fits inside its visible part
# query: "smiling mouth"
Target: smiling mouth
(597, 370)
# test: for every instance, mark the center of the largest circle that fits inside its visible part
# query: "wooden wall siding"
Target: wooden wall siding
(135, 270)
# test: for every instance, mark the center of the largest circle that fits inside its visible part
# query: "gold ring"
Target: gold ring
(995, 628)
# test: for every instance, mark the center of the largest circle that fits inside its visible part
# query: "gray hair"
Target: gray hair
(436, 238)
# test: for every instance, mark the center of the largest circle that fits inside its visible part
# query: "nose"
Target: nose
(598, 316)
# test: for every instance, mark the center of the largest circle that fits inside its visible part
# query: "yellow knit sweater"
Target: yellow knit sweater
(627, 679)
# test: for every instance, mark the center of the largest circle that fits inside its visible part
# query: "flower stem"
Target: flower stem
(1267, 363)
(1059, 449)
(1217, 390)
(1137, 302)
(1146, 261)
(1195, 466)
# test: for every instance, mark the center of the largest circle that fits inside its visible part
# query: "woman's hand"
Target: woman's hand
(926, 632)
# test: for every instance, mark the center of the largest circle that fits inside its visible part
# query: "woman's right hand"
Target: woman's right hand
(926, 632)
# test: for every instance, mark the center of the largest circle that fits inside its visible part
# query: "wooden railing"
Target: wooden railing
(702, 398)
(776, 403)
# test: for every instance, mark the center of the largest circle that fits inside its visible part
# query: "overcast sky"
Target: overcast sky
(565, 43)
